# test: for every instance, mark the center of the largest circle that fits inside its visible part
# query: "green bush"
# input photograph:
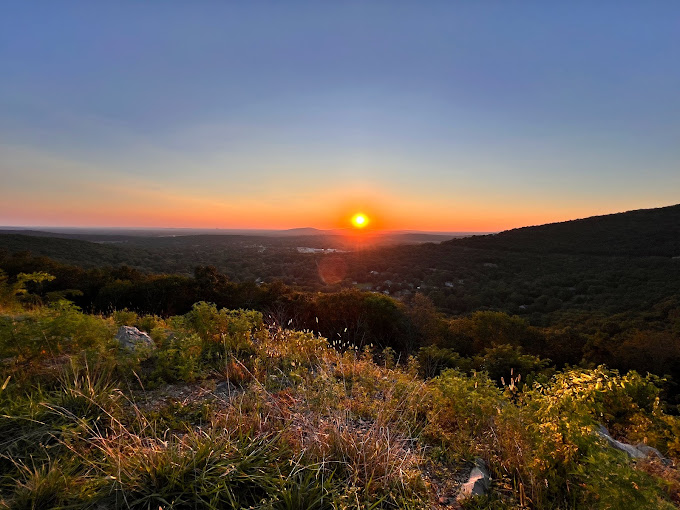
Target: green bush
(462, 411)
(52, 331)
(507, 364)
(432, 360)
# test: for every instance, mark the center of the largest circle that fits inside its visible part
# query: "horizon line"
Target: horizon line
(245, 229)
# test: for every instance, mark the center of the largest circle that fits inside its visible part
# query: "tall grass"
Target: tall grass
(303, 423)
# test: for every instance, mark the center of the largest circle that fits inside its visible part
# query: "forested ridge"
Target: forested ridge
(645, 232)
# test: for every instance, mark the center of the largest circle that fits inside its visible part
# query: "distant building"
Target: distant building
(304, 249)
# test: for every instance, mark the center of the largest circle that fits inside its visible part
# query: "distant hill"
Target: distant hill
(645, 232)
(303, 234)
(71, 251)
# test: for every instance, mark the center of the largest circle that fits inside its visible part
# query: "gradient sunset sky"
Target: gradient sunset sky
(447, 116)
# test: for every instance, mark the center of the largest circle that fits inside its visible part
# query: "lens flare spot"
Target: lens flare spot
(332, 269)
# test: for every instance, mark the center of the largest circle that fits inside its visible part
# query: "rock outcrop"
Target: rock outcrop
(478, 482)
(131, 338)
(639, 451)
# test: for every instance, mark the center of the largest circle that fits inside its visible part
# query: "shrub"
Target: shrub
(461, 412)
(432, 360)
(507, 364)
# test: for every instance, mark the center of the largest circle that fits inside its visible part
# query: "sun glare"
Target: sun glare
(359, 220)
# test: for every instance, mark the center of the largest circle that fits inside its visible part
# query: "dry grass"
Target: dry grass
(301, 425)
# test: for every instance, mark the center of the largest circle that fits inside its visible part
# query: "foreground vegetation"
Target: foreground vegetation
(634, 324)
(230, 409)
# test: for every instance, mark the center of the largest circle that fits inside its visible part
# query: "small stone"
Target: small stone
(478, 482)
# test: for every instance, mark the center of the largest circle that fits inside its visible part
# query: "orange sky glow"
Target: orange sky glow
(157, 209)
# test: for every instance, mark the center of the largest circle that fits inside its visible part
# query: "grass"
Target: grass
(229, 413)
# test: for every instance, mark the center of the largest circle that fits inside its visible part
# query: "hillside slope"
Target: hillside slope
(645, 232)
(71, 251)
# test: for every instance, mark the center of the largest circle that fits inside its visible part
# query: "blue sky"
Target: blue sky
(433, 116)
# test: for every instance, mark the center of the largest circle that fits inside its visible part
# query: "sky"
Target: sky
(443, 116)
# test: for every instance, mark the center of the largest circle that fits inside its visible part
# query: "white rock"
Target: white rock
(131, 338)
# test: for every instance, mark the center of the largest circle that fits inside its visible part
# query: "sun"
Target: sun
(360, 220)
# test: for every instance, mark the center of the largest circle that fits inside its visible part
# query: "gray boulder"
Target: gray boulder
(639, 451)
(626, 448)
(131, 338)
(650, 451)
(478, 482)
